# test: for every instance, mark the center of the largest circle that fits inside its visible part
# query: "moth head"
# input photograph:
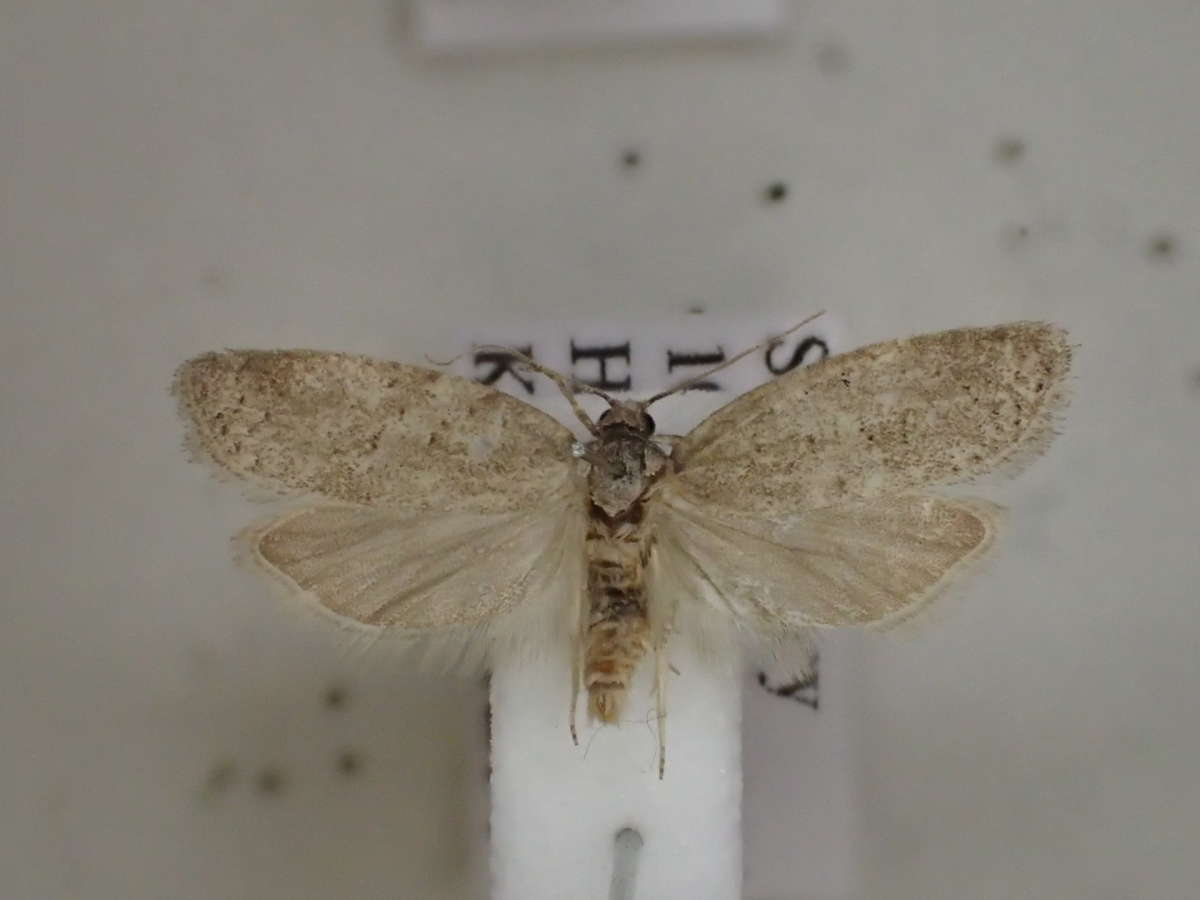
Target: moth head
(630, 415)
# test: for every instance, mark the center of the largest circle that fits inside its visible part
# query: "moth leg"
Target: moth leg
(575, 680)
(577, 661)
(660, 705)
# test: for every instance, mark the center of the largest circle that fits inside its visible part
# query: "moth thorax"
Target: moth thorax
(624, 465)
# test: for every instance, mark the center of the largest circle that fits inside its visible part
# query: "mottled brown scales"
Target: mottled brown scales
(445, 508)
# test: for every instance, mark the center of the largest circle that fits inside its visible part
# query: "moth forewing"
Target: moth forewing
(363, 431)
(935, 409)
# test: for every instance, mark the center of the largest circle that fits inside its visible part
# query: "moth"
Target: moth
(438, 507)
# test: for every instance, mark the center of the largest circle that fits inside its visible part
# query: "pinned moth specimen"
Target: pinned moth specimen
(437, 506)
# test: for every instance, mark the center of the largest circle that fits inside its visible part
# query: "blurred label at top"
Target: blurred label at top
(499, 24)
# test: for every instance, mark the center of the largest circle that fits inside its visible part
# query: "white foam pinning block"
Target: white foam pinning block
(557, 809)
(484, 24)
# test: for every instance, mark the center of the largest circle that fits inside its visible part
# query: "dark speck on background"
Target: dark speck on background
(776, 192)
(1161, 247)
(270, 781)
(221, 777)
(349, 762)
(1009, 151)
(1016, 236)
(833, 58)
(631, 158)
(216, 280)
(696, 309)
(335, 697)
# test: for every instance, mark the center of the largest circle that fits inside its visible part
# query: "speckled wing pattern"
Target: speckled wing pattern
(364, 431)
(441, 502)
(801, 503)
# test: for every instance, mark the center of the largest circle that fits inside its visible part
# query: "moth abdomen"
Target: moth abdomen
(618, 629)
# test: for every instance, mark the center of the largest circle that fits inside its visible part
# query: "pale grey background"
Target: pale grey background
(179, 176)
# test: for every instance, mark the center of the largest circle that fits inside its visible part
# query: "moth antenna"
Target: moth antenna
(660, 706)
(568, 386)
(575, 683)
(560, 379)
(684, 385)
